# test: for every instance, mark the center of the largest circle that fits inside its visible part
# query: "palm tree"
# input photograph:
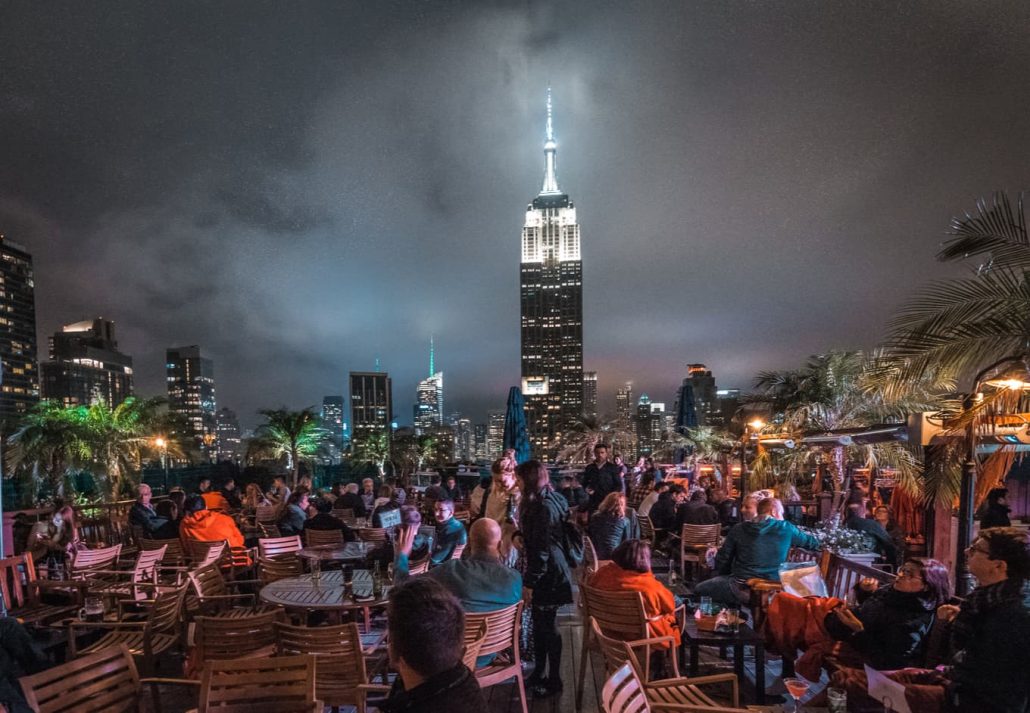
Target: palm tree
(586, 432)
(373, 449)
(708, 443)
(118, 438)
(296, 435)
(961, 326)
(49, 441)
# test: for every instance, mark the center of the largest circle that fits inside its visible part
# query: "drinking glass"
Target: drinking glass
(837, 700)
(93, 609)
(706, 606)
(316, 568)
(796, 687)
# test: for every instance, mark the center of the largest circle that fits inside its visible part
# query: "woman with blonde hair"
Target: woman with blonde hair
(612, 525)
(253, 498)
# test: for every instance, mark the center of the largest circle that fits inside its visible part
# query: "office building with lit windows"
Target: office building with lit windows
(86, 366)
(590, 393)
(551, 288)
(191, 394)
(494, 435)
(227, 430)
(371, 403)
(20, 379)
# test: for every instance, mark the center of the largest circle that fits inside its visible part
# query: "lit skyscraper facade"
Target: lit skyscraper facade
(590, 393)
(429, 397)
(191, 393)
(229, 442)
(85, 365)
(650, 424)
(706, 400)
(551, 286)
(20, 388)
(371, 403)
(332, 415)
(494, 435)
(482, 450)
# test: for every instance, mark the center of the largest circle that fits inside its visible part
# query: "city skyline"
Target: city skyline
(758, 182)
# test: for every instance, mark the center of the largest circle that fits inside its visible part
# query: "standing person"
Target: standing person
(501, 501)
(547, 583)
(623, 469)
(478, 497)
(573, 492)
(601, 477)
(368, 494)
(143, 514)
(997, 512)
(657, 473)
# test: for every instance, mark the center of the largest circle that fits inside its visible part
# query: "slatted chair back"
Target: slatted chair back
(138, 534)
(503, 628)
(620, 615)
(344, 514)
(318, 538)
(174, 555)
(623, 692)
(646, 529)
(473, 647)
(842, 574)
(589, 554)
(272, 546)
(16, 573)
(207, 581)
(269, 530)
(104, 682)
(266, 514)
(272, 569)
(85, 561)
(284, 684)
(458, 550)
(204, 552)
(613, 651)
(376, 535)
(165, 614)
(418, 566)
(695, 541)
(248, 636)
(339, 662)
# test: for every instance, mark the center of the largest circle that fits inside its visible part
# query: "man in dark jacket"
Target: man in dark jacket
(324, 521)
(142, 513)
(857, 520)
(696, 511)
(663, 513)
(601, 477)
(754, 550)
(426, 627)
(573, 492)
(351, 500)
(996, 513)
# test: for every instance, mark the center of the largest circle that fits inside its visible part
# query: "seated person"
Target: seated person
(213, 500)
(167, 510)
(398, 492)
(203, 525)
(325, 521)
(55, 540)
(426, 627)
(231, 494)
(19, 656)
(450, 532)
(989, 631)
(279, 494)
(451, 490)
(143, 514)
(651, 498)
(663, 512)
(349, 499)
(434, 492)
(727, 507)
(887, 630)
(573, 493)
(996, 509)
(293, 518)
(885, 516)
(630, 571)
(857, 520)
(385, 503)
(753, 550)
(696, 511)
(612, 525)
(368, 494)
(253, 498)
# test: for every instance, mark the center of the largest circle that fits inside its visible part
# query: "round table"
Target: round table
(346, 552)
(327, 593)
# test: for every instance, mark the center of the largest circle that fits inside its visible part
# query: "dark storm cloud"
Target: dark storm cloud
(301, 188)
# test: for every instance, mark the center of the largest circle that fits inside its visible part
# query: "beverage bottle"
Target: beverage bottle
(377, 581)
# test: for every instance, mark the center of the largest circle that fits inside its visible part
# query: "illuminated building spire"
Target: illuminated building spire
(432, 368)
(550, 155)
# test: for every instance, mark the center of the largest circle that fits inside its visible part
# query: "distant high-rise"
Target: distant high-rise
(371, 403)
(590, 393)
(429, 397)
(729, 402)
(624, 405)
(480, 431)
(332, 415)
(464, 441)
(85, 365)
(20, 378)
(495, 435)
(227, 430)
(650, 424)
(191, 393)
(551, 287)
(706, 401)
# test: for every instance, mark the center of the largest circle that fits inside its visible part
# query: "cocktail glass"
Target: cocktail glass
(796, 687)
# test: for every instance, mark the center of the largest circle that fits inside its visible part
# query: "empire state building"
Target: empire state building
(552, 309)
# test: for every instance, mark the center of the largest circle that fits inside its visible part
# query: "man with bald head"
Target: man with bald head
(479, 580)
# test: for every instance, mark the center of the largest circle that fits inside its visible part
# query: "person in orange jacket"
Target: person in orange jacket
(205, 525)
(630, 571)
(213, 500)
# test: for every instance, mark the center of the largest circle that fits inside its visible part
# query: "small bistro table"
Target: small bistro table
(746, 636)
(327, 593)
(346, 552)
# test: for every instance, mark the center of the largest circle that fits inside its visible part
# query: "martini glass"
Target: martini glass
(796, 687)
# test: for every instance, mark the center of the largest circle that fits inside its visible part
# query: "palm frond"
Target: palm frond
(996, 230)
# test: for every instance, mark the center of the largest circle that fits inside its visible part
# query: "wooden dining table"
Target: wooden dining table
(344, 552)
(326, 593)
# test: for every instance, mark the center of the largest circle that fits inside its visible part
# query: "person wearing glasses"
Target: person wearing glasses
(989, 633)
(886, 630)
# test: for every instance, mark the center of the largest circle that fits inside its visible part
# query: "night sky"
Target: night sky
(300, 187)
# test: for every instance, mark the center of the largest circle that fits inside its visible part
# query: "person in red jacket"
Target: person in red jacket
(630, 571)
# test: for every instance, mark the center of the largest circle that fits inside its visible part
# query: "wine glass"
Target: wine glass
(796, 687)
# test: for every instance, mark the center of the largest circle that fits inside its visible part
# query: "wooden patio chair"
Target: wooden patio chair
(418, 566)
(174, 554)
(503, 628)
(473, 647)
(458, 550)
(136, 583)
(320, 538)
(339, 659)
(201, 553)
(267, 515)
(21, 593)
(249, 635)
(283, 684)
(214, 594)
(675, 692)
(694, 542)
(269, 530)
(104, 682)
(273, 546)
(623, 693)
(344, 514)
(272, 569)
(159, 632)
(375, 535)
(647, 533)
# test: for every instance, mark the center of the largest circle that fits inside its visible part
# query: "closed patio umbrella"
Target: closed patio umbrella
(515, 434)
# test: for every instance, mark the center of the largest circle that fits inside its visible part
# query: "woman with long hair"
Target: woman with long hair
(612, 525)
(54, 541)
(547, 582)
(887, 629)
(253, 498)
